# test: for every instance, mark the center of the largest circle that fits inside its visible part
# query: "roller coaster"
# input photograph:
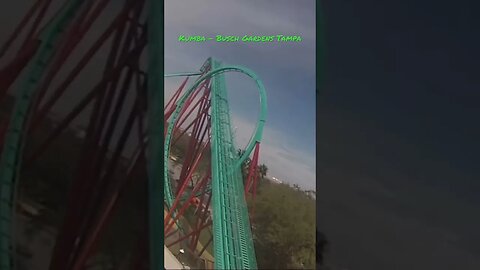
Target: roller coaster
(221, 182)
(54, 63)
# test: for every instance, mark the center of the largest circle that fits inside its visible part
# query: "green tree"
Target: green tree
(262, 170)
(284, 228)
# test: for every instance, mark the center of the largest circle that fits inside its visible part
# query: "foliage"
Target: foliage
(283, 223)
(284, 227)
(262, 169)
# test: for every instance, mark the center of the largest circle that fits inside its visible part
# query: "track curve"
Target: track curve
(256, 136)
(233, 242)
(14, 141)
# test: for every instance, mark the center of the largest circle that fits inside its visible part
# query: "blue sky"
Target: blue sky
(286, 69)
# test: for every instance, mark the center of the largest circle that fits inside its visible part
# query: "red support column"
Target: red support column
(68, 42)
(11, 72)
(199, 102)
(106, 206)
(195, 142)
(188, 235)
(201, 117)
(187, 203)
(190, 100)
(170, 107)
(36, 22)
(252, 178)
(90, 235)
(83, 103)
(252, 171)
(116, 25)
(84, 186)
(183, 187)
(201, 220)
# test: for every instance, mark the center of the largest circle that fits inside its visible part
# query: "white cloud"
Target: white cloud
(212, 17)
(276, 151)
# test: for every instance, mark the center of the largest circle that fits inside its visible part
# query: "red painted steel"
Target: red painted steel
(183, 187)
(189, 234)
(36, 22)
(186, 205)
(95, 191)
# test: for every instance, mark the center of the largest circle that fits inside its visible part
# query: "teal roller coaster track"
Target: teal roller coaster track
(218, 196)
(232, 241)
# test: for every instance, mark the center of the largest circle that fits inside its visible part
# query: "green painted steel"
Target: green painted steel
(233, 244)
(14, 141)
(155, 132)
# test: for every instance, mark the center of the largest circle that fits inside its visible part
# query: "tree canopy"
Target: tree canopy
(284, 227)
